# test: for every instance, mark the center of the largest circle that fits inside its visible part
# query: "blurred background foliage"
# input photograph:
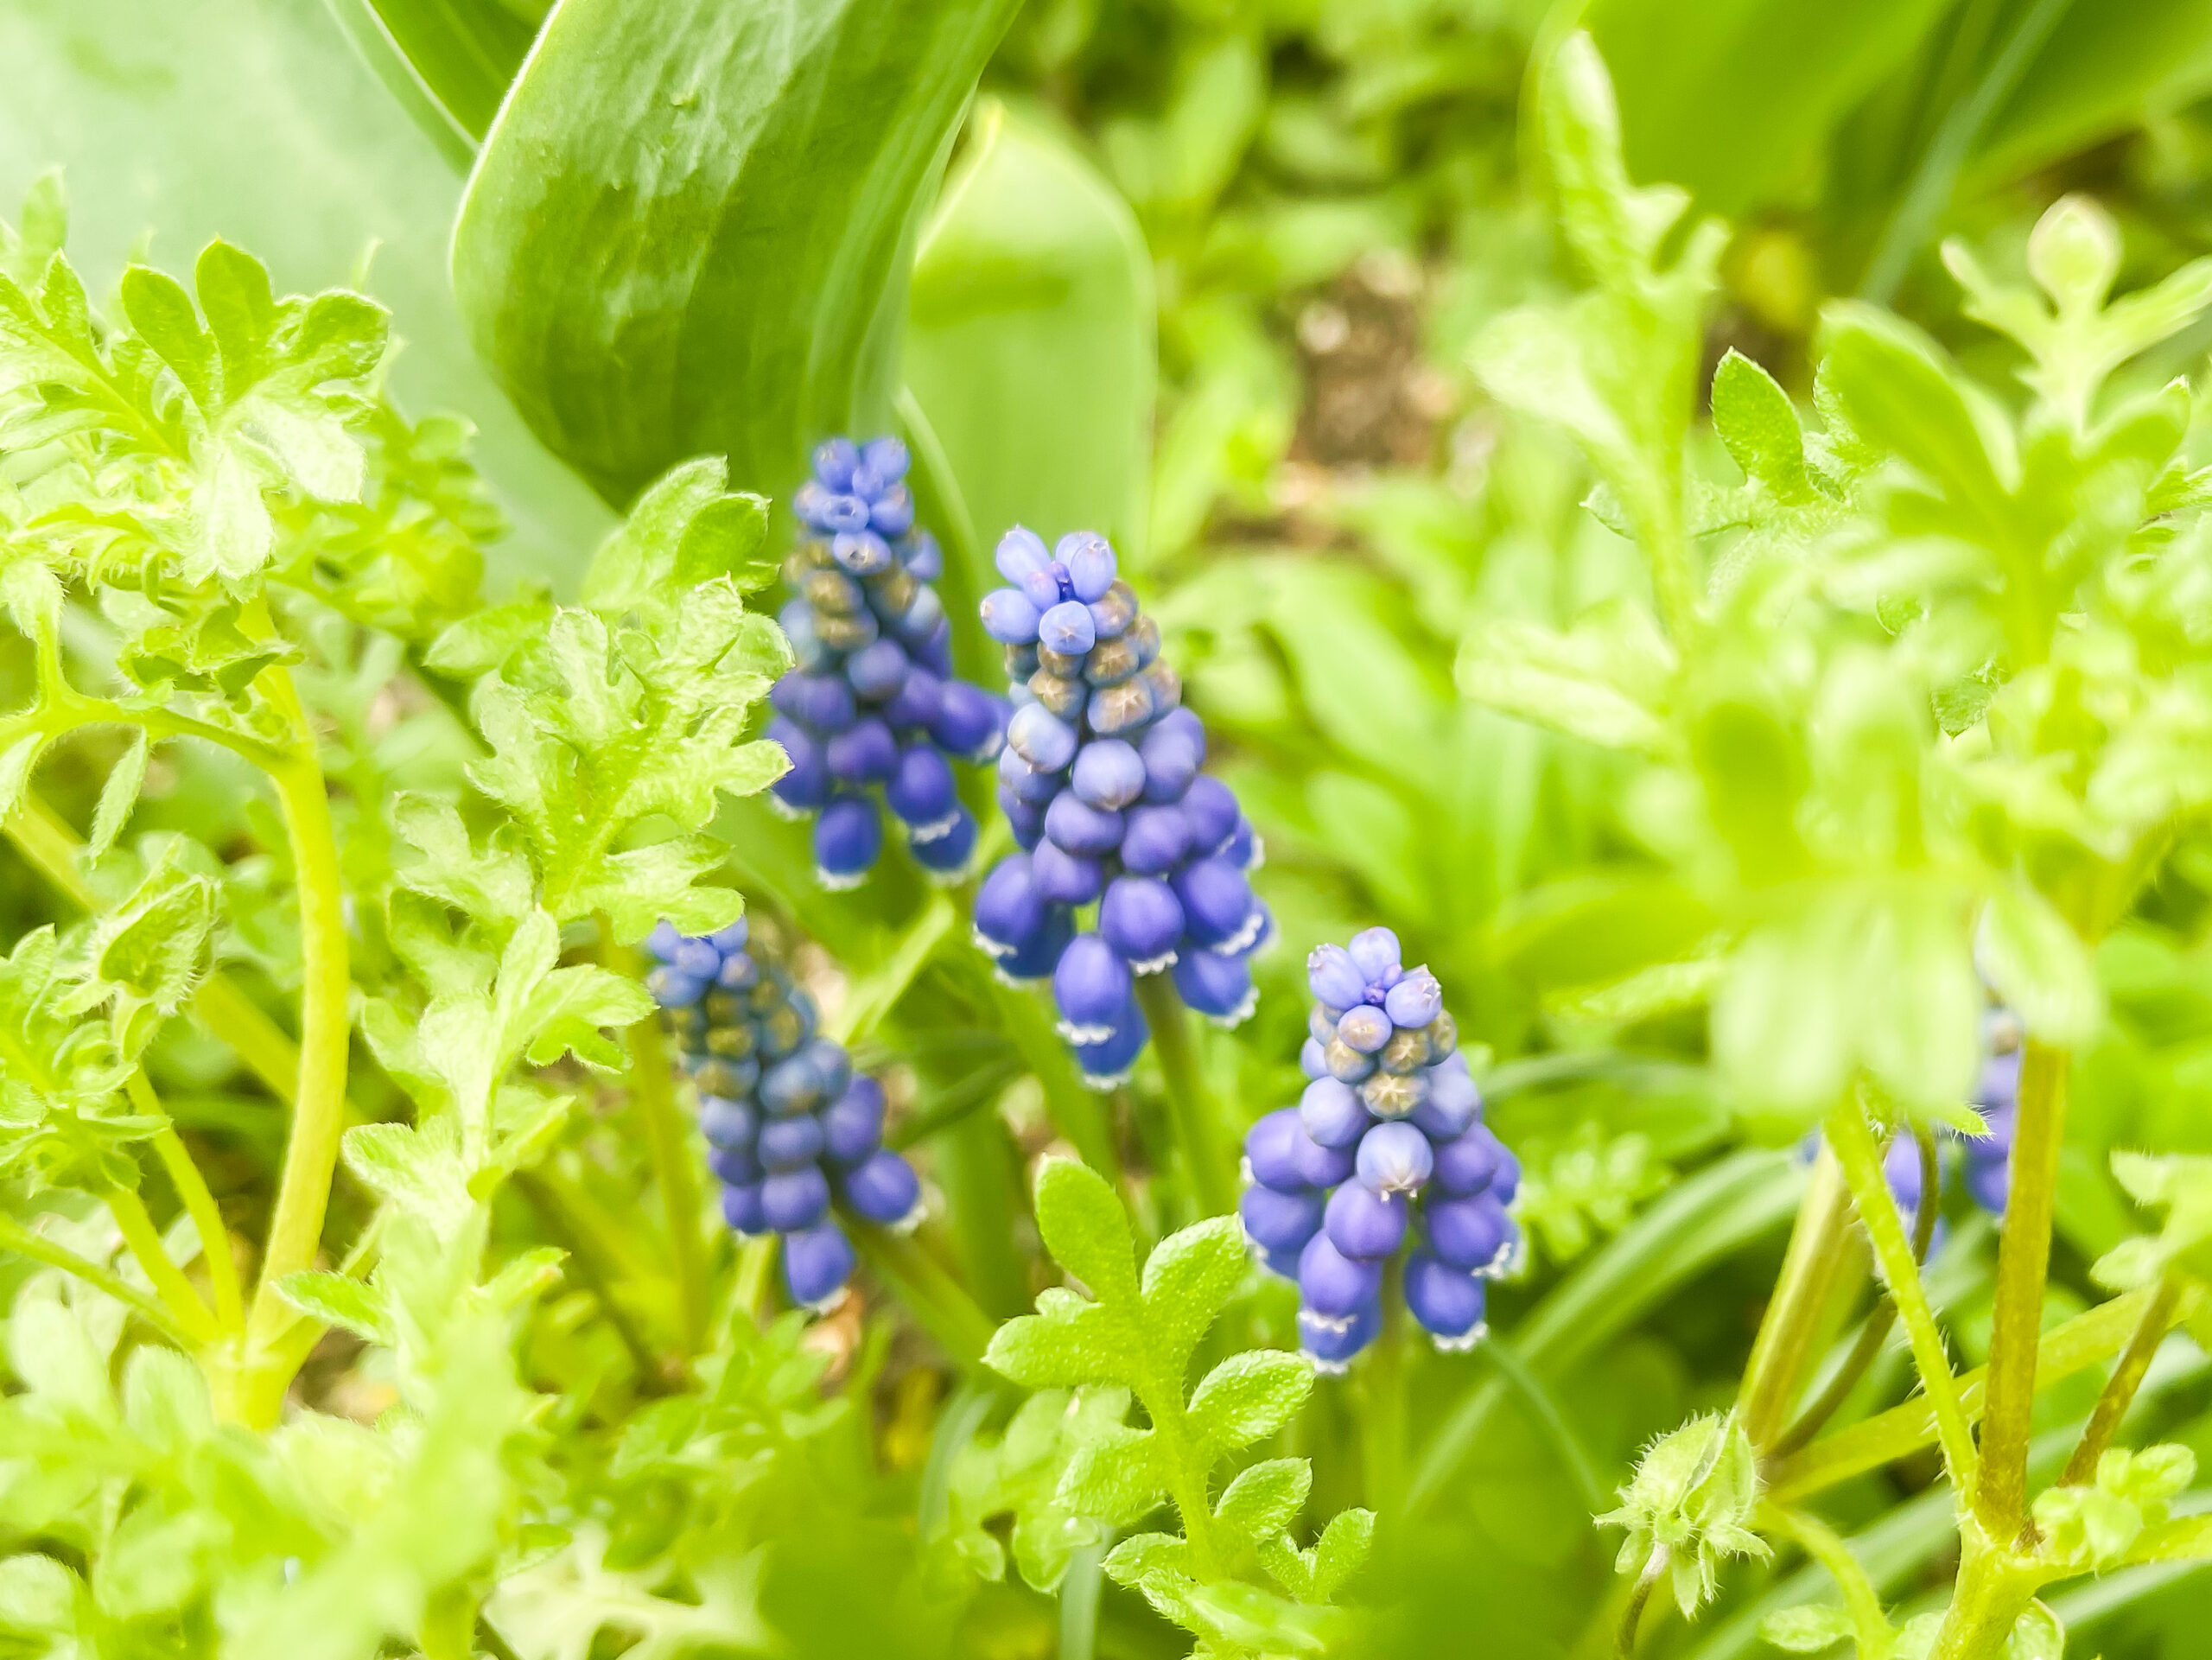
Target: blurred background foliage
(1304, 210)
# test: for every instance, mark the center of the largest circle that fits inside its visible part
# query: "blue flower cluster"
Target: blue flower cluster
(1100, 781)
(872, 700)
(1986, 1159)
(791, 1124)
(1388, 1130)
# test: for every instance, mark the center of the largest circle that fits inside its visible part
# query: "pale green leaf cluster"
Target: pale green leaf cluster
(2092, 1528)
(1923, 700)
(1131, 1338)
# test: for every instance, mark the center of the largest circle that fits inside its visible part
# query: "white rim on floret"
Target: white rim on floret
(1153, 964)
(784, 811)
(1077, 1033)
(935, 829)
(1335, 1326)
(1500, 1266)
(991, 948)
(1237, 943)
(822, 1305)
(954, 877)
(1102, 1080)
(1331, 1368)
(1259, 851)
(1465, 1341)
(837, 884)
(916, 1215)
(1241, 1013)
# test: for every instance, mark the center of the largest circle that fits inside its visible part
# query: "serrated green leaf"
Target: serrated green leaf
(340, 1299)
(1084, 1227)
(1115, 1475)
(1247, 1397)
(1264, 1499)
(1755, 420)
(1188, 1280)
(1032, 277)
(118, 795)
(1808, 1628)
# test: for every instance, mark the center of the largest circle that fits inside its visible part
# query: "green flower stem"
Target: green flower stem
(935, 1299)
(319, 1109)
(52, 849)
(199, 1203)
(1794, 1314)
(1544, 1407)
(23, 1242)
(175, 1290)
(1078, 1111)
(1079, 1589)
(1854, 1141)
(1654, 1570)
(599, 1274)
(1870, 1624)
(2120, 1389)
(1879, 1320)
(976, 1167)
(1382, 1406)
(2023, 1262)
(756, 1261)
(668, 1144)
(1209, 1170)
(2084, 1341)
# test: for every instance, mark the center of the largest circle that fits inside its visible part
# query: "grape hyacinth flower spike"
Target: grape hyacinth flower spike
(791, 1127)
(1385, 1153)
(872, 706)
(1132, 863)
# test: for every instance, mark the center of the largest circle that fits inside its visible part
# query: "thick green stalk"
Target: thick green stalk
(1794, 1314)
(1994, 1590)
(2023, 1262)
(175, 1291)
(1854, 1141)
(2119, 1388)
(449, 1625)
(1209, 1168)
(318, 1108)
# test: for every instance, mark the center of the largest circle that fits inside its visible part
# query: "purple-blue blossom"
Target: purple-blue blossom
(1100, 784)
(793, 1132)
(871, 710)
(1385, 1152)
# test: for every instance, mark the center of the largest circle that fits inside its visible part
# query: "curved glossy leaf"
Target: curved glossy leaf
(690, 228)
(1030, 339)
(447, 62)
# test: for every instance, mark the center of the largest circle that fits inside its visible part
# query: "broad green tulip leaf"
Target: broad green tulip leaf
(690, 228)
(1030, 339)
(449, 62)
